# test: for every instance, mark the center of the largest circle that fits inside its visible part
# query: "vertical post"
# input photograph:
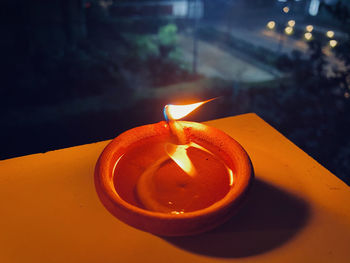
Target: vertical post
(280, 43)
(195, 14)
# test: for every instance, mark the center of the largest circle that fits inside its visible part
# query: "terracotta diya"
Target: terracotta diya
(173, 178)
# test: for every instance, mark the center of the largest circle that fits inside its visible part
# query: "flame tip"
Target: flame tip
(175, 112)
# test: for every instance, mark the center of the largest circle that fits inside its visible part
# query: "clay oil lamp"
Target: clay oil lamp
(173, 178)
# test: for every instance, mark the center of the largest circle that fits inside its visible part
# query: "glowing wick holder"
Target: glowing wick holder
(168, 224)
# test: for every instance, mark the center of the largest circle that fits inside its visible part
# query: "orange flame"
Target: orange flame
(178, 153)
(176, 112)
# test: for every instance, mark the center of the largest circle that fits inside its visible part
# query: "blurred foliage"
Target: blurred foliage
(156, 56)
(77, 50)
(167, 35)
(312, 108)
(311, 104)
(142, 47)
(63, 60)
(147, 46)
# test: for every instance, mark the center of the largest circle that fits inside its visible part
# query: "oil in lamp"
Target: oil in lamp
(173, 178)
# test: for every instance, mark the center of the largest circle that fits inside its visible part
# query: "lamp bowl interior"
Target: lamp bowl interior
(168, 224)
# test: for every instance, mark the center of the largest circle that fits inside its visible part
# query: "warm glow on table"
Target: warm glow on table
(297, 211)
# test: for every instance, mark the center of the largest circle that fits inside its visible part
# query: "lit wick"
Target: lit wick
(177, 153)
(176, 112)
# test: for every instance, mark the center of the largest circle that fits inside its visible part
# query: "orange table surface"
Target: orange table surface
(297, 210)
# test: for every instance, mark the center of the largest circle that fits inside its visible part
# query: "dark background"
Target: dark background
(79, 71)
